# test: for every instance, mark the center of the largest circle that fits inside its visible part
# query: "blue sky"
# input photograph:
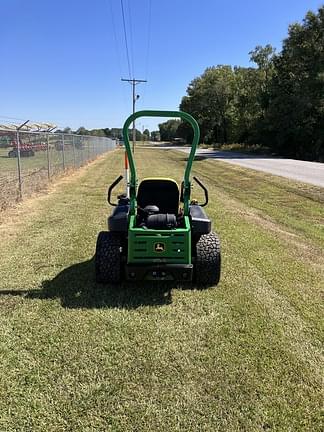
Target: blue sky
(62, 61)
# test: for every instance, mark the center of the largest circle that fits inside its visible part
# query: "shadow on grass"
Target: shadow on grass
(75, 286)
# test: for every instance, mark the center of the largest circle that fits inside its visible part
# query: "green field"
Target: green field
(39, 161)
(34, 171)
(245, 356)
(9, 165)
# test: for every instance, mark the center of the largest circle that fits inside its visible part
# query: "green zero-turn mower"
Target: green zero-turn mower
(151, 235)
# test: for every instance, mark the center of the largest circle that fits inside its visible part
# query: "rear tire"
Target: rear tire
(108, 257)
(207, 268)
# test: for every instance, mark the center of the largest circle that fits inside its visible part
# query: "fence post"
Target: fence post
(18, 164)
(73, 148)
(63, 156)
(81, 151)
(82, 148)
(48, 159)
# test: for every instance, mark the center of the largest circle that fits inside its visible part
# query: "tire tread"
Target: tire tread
(108, 257)
(208, 260)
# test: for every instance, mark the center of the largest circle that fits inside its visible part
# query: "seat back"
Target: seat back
(164, 193)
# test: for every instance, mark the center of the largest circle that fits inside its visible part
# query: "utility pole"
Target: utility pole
(135, 97)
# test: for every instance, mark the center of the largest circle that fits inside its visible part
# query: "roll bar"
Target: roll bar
(186, 179)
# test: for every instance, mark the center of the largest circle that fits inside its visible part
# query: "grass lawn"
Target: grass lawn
(8, 166)
(246, 148)
(34, 171)
(245, 356)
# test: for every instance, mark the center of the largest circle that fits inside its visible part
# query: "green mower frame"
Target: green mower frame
(149, 237)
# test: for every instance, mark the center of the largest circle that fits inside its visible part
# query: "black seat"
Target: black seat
(164, 193)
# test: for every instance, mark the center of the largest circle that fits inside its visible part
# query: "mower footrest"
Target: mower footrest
(176, 272)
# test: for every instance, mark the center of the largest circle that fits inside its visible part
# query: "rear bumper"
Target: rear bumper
(175, 272)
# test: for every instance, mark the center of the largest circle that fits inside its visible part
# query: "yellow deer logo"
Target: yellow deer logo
(159, 247)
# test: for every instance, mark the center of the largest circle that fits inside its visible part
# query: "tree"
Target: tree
(146, 134)
(252, 95)
(210, 100)
(296, 109)
(247, 110)
(116, 133)
(168, 129)
(279, 103)
(82, 131)
(263, 56)
(107, 132)
(155, 136)
(185, 131)
(98, 132)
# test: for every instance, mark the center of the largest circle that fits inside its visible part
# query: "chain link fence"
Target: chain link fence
(29, 160)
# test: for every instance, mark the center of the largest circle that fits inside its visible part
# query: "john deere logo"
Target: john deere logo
(159, 247)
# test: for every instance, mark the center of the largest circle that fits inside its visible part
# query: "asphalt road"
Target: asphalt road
(306, 172)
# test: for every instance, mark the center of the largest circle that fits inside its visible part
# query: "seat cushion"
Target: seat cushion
(164, 193)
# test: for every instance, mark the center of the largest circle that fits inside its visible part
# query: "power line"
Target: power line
(125, 35)
(115, 36)
(149, 16)
(131, 38)
(117, 46)
(148, 37)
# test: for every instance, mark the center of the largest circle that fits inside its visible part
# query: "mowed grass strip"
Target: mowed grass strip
(246, 355)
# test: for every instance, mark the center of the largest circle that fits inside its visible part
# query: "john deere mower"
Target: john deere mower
(157, 232)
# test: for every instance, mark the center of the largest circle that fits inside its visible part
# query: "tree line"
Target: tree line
(114, 133)
(278, 104)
